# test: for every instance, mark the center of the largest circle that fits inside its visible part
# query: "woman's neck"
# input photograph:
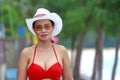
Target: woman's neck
(44, 44)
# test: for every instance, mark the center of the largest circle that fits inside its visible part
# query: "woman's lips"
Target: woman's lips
(44, 35)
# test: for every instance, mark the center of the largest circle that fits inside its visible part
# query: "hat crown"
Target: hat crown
(41, 11)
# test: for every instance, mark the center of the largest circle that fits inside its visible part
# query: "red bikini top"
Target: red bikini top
(36, 72)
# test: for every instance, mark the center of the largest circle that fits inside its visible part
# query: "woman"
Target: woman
(45, 60)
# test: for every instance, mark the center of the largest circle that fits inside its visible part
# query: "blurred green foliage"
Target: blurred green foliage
(74, 13)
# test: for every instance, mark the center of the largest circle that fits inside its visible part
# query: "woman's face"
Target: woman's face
(43, 29)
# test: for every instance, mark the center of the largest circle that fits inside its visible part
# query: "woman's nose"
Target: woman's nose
(43, 29)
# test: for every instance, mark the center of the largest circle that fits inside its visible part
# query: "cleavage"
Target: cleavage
(45, 64)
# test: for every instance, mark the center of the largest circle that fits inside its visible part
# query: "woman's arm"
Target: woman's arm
(67, 70)
(22, 66)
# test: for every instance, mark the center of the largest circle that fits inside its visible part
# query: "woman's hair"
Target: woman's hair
(52, 23)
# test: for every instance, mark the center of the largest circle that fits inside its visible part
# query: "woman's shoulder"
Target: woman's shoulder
(62, 51)
(28, 50)
(60, 47)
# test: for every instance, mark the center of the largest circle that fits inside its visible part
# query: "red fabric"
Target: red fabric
(36, 72)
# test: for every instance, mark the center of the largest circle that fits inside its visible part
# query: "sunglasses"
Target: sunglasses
(39, 27)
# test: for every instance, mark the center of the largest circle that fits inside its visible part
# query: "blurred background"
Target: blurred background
(91, 33)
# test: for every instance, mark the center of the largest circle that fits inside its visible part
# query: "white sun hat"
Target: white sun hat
(43, 13)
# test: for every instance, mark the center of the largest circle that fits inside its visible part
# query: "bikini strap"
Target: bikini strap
(55, 53)
(34, 53)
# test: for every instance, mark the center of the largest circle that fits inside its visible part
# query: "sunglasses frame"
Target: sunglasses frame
(40, 28)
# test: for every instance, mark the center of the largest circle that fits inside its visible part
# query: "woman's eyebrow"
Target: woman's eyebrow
(47, 24)
(44, 24)
(38, 25)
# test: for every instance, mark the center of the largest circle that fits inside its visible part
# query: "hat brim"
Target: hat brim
(52, 16)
